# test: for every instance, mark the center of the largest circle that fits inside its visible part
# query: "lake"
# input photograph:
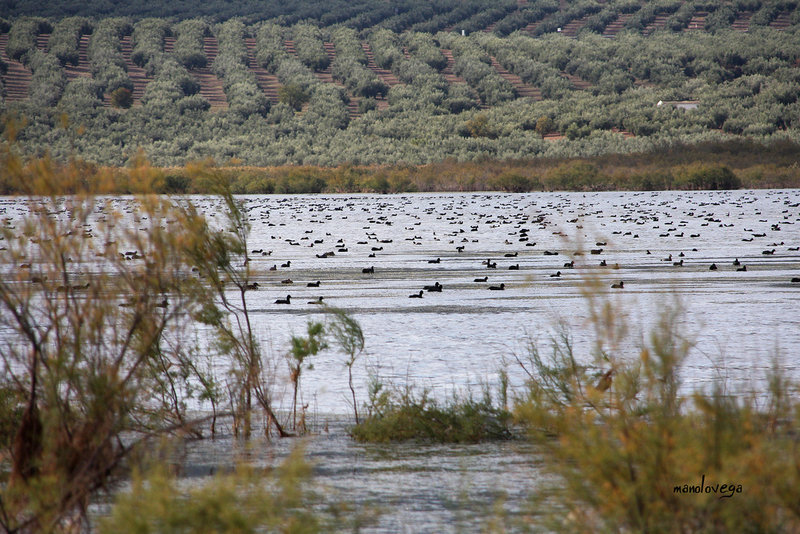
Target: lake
(458, 337)
(661, 245)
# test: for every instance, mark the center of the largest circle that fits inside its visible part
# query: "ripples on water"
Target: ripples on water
(456, 339)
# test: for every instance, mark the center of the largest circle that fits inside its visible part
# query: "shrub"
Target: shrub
(248, 500)
(87, 354)
(244, 96)
(66, 37)
(348, 45)
(22, 36)
(48, 79)
(385, 48)
(404, 415)
(121, 97)
(269, 46)
(358, 79)
(511, 182)
(479, 126)
(189, 47)
(105, 55)
(148, 42)
(631, 452)
(293, 96)
(709, 177)
(422, 46)
(309, 47)
(575, 176)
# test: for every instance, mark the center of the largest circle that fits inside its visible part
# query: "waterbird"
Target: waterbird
(287, 264)
(501, 287)
(742, 268)
(605, 381)
(437, 260)
(287, 300)
(318, 301)
(287, 281)
(484, 279)
(252, 286)
(416, 295)
(712, 267)
(620, 285)
(368, 270)
(313, 284)
(736, 262)
(437, 288)
(513, 267)
(556, 275)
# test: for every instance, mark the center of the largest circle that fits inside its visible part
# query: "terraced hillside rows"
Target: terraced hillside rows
(523, 90)
(742, 22)
(325, 75)
(614, 28)
(573, 26)
(268, 83)
(17, 79)
(210, 85)
(659, 23)
(386, 76)
(448, 71)
(698, 21)
(137, 74)
(782, 21)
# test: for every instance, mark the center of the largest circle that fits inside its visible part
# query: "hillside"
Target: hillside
(418, 83)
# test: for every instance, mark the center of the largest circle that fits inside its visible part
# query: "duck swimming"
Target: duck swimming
(436, 288)
(287, 300)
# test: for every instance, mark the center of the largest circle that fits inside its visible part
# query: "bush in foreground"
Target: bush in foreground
(631, 453)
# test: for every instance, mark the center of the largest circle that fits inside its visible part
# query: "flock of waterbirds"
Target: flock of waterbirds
(496, 242)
